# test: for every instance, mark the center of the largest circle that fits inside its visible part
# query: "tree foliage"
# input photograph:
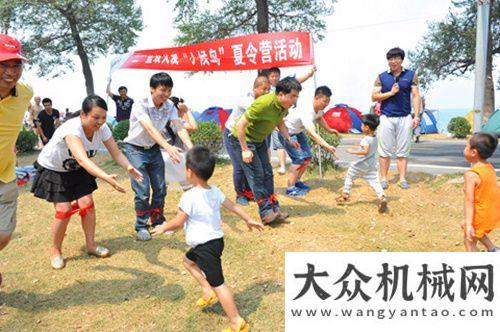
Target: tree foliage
(207, 21)
(53, 30)
(449, 47)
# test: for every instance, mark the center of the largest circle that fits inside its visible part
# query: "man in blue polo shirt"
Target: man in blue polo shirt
(396, 88)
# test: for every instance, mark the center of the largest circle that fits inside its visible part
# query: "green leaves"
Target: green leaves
(201, 21)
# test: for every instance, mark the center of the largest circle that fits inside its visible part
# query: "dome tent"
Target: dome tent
(214, 114)
(343, 118)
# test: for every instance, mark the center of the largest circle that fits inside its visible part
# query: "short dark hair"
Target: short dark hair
(371, 120)
(323, 91)
(288, 84)
(46, 100)
(273, 70)
(122, 88)
(162, 79)
(201, 162)
(484, 143)
(395, 52)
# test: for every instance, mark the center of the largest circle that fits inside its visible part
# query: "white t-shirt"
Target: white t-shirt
(56, 155)
(146, 109)
(203, 208)
(239, 109)
(368, 161)
(298, 120)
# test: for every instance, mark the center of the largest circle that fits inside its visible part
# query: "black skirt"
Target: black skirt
(59, 187)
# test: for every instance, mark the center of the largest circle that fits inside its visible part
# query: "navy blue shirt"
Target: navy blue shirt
(398, 105)
(123, 107)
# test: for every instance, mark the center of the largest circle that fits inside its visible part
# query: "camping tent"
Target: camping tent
(215, 114)
(428, 123)
(343, 118)
(493, 124)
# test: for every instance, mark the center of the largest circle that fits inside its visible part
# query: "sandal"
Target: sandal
(100, 252)
(57, 262)
(382, 206)
(242, 327)
(202, 303)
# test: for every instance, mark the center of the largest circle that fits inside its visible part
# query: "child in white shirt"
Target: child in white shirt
(199, 213)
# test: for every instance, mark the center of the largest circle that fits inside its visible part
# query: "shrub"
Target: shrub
(120, 130)
(459, 127)
(208, 135)
(327, 159)
(26, 141)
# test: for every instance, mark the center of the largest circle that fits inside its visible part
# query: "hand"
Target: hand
(313, 70)
(331, 149)
(254, 224)
(416, 122)
(135, 173)
(247, 156)
(294, 144)
(158, 230)
(174, 153)
(395, 89)
(111, 179)
(45, 139)
(334, 131)
(470, 234)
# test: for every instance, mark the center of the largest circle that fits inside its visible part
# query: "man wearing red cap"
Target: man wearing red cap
(14, 101)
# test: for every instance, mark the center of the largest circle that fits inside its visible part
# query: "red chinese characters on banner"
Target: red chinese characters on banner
(257, 51)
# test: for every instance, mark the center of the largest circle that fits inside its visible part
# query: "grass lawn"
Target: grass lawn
(143, 286)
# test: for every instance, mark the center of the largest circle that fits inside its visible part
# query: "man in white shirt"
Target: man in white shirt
(149, 116)
(298, 123)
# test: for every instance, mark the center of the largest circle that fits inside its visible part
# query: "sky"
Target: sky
(349, 58)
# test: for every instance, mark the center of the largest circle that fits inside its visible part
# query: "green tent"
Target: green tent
(493, 124)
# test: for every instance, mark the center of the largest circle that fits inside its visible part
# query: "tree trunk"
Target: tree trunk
(489, 91)
(262, 20)
(87, 72)
(262, 16)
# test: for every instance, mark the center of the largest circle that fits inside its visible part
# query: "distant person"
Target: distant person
(240, 183)
(274, 75)
(143, 146)
(299, 123)
(199, 214)
(35, 108)
(48, 121)
(14, 100)
(396, 88)
(123, 102)
(482, 194)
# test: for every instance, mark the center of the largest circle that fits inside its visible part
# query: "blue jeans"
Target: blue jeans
(150, 163)
(239, 179)
(298, 156)
(259, 174)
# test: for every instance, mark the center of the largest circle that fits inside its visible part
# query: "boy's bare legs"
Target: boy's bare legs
(197, 274)
(281, 159)
(293, 175)
(487, 243)
(470, 246)
(227, 302)
(384, 162)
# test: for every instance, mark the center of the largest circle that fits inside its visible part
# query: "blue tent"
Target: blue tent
(214, 114)
(428, 123)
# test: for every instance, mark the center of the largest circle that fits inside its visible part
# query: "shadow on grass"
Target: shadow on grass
(249, 299)
(150, 249)
(112, 291)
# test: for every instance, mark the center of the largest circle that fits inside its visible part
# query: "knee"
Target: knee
(4, 240)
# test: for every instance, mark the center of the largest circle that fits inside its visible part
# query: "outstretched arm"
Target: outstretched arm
(179, 220)
(307, 76)
(120, 158)
(231, 206)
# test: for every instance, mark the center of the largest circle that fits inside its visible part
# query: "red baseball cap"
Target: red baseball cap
(10, 48)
